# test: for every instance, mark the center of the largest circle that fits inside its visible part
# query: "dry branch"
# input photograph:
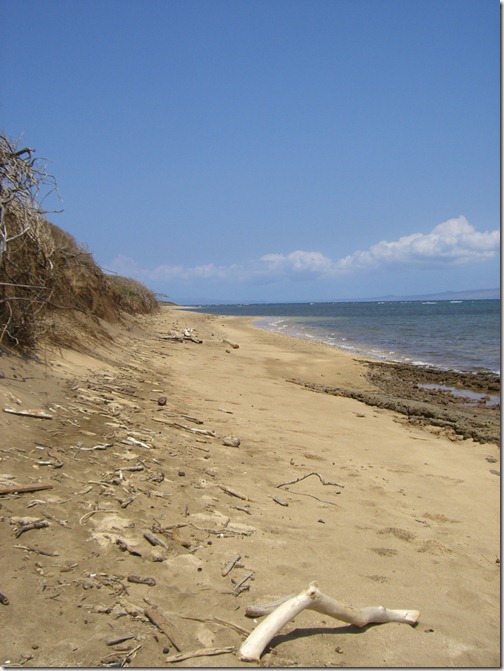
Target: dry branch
(313, 599)
(40, 414)
(203, 652)
(303, 477)
(15, 489)
(163, 625)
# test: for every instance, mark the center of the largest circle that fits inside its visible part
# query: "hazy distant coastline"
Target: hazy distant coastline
(468, 295)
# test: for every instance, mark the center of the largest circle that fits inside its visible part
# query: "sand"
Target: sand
(408, 517)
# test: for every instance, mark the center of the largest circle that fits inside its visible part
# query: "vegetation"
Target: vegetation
(48, 281)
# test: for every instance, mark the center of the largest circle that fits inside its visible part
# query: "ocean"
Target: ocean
(447, 334)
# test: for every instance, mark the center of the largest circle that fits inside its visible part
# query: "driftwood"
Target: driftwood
(14, 489)
(38, 524)
(36, 550)
(142, 581)
(313, 599)
(187, 335)
(230, 565)
(157, 619)
(240, 585)
(40, 414)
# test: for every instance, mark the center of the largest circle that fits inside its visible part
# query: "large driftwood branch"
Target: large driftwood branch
(313, 599)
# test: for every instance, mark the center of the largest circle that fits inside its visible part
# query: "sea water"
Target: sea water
(448, 334)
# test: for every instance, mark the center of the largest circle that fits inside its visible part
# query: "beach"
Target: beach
(186, 439)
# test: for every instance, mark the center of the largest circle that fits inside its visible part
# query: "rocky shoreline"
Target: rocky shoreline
(462, 405)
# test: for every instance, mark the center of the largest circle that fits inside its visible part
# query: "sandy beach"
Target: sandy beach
(121, 560)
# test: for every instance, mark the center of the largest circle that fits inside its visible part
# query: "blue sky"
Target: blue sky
(278, 150)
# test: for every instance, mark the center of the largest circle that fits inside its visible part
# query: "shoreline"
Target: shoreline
(376, 508)
(427, 395)
(357, 349)
(356, 343)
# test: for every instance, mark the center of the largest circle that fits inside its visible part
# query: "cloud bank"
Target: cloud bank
(453, 243)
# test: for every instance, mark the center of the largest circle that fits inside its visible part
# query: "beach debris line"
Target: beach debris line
(311, 598)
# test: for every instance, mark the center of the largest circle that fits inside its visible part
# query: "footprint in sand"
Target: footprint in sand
(434, 547)
(439, 517)
(402, 534)
(384, 552)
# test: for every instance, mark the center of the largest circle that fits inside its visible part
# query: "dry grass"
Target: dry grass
(51, 288)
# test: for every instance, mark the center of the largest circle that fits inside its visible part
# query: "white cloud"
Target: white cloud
(454, 242)
(298, 262)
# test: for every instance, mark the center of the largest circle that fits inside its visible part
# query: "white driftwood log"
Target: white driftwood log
(313, 599)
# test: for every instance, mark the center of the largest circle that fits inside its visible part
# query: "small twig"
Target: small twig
(324, 482)
(153, 540)
(203, 652)
(126, 548)
(233, 492)
(230, 565)
(239, 585)
(119, 639)
(130, 468)
(36, 550)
